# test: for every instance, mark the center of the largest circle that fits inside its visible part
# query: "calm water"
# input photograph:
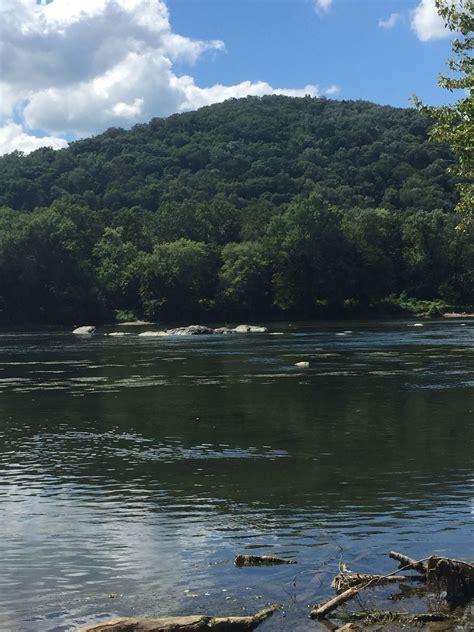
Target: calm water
(133, 470)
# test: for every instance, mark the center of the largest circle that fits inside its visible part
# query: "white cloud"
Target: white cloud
(427, 23)
(331, 91)
(390, 22)
(77, 67)
(322, 6)
(13, 137)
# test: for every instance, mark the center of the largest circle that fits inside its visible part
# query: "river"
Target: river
(134, 469)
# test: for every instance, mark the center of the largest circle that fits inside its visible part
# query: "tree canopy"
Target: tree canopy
(253, 208)
(454, 124)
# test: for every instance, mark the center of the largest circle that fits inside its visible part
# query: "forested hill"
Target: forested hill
(253, 207)
(256, 149)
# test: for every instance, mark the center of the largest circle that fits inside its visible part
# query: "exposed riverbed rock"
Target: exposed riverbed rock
(191, 330)
(250, 329)
(202, 330)
(193, 623)
(152, 334)
(84, 330)
(224, 330)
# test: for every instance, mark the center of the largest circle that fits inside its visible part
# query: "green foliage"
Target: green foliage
(405, 305)
(454, 124)
(124, 315)
(191, 170)
(245, 278)
(309, 251)
(175, 280)
(252, 208)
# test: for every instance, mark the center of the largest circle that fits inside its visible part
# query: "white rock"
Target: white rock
(418, 325)
(302, 365)
(250, 329)
(152, 334)
(84, 330)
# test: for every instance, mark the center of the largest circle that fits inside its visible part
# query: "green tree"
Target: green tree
(454, 124)
(309, 257)
(374, 244)
(176, 280)
(116, 269)
(245, 278)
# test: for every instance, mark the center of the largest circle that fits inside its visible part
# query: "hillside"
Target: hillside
(253, 207)
(273, 148)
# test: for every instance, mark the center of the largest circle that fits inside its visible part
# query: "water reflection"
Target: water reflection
(138, 468)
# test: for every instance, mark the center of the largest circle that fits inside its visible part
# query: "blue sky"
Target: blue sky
(70, 69)
(287, 43)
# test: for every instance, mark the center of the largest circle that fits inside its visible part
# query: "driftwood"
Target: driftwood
(193, 623)
(407, 562)
(318, 612)
(347, 627)
(342, 582)
(386, 616)
(456, 576)
(324, 609)
(260, 560)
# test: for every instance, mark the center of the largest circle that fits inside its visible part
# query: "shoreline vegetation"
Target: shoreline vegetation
(252, 209)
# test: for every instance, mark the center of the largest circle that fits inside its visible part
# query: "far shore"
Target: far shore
(458, 315)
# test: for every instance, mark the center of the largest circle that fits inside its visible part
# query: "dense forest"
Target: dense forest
(256, 208)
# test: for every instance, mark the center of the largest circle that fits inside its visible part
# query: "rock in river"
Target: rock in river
(191, 330)
(250, 329)
(150, 334)
(85, 329)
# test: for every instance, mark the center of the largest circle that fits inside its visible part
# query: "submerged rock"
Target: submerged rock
(117, 333)
(251, 329)
(260, 560)
(84, 330)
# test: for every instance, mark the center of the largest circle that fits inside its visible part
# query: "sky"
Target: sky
(73, 68)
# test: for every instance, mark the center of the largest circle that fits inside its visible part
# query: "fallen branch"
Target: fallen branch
(342, 582)
(321, 611)
(260, 560)
(407, 562)
(387, 616)
(318, 612)
(193, 623)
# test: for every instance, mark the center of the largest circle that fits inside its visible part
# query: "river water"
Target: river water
(133, 470)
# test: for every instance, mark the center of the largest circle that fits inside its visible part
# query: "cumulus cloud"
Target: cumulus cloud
(13, 137)
(331, 91)
(76, 68)
(322, 6)
(390, 22)
(427, 23)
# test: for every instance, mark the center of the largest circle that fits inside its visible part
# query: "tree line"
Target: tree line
(254, 208)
